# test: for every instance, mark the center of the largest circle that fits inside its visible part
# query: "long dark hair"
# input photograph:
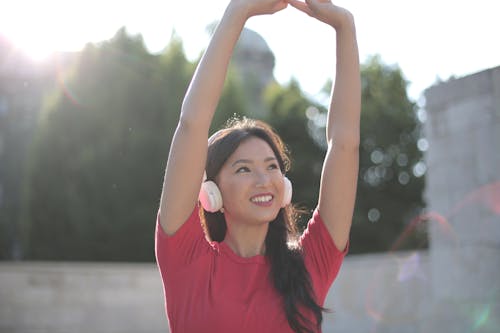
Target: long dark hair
(288, 272)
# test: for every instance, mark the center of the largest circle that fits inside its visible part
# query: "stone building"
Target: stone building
(254, 62)
(254, 58)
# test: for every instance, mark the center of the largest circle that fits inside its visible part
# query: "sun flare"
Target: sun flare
(39, 29)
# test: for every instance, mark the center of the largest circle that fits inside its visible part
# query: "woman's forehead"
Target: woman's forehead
(253, 149)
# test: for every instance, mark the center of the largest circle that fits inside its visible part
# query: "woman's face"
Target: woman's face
(251, 183)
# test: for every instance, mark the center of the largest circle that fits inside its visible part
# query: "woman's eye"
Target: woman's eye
(273, 166)
(242, 169)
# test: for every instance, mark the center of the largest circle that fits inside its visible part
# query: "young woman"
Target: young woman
(225, 252)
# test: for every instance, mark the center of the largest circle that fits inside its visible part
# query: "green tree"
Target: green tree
(389, 191)
(97, 166)
(390, 186)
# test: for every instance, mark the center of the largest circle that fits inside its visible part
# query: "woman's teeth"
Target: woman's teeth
(264, 198)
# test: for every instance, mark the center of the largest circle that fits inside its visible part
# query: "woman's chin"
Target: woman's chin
(267, 215)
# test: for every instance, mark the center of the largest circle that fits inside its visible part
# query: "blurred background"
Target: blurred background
(89, 99)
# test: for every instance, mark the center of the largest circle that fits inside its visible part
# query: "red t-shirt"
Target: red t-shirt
(209, 288)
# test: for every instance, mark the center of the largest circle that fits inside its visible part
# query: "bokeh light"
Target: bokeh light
(419, 169)
(422, 144)
(373, 215)
(402, 160)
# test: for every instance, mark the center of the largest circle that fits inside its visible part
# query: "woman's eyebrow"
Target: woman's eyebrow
(248, 161)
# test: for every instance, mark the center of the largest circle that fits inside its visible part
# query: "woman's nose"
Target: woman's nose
(262, 179)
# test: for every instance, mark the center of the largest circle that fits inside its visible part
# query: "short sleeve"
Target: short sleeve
(180, 249)
(321, 256)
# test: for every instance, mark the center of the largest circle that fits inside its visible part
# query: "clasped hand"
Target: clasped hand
(323, 10)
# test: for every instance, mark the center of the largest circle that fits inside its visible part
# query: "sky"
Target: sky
(427, 39)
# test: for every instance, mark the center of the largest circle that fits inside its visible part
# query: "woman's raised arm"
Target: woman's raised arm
(340, 169)
(187, 156)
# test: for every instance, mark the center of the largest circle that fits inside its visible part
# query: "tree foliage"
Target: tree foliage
(389, 193)
(389, 190)
(96, 168)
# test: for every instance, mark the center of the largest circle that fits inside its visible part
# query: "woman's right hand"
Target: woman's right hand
(259, 7)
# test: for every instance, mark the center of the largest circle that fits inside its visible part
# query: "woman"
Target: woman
(229, 266)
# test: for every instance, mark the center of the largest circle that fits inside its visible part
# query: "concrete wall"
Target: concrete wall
(463, 192)
(380, 293)
(80, 297)
(373, 293)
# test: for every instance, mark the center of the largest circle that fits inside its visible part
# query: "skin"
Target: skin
(184, 172)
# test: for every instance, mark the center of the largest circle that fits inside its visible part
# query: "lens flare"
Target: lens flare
(405, 278)
(442, 221)
(411, 269)
(487, 195)
(61, 80)
(481, 318)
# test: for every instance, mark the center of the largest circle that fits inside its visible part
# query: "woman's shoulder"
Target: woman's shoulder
(316, 236)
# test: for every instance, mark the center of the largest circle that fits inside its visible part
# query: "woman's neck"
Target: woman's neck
(246, 241)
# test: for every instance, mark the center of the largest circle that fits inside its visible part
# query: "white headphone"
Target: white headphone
(211, 198)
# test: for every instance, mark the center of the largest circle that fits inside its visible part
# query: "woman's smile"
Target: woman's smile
(263, 199)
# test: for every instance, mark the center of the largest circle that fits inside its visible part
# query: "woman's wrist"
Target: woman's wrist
(238, 10)
(343, 20)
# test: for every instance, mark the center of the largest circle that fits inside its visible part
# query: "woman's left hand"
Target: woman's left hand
(260, 7)
(325, 11)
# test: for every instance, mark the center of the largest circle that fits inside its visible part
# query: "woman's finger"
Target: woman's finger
(302, 6)
(280, 6)
(317, 2)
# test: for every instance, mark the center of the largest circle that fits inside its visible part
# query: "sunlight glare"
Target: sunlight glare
(39, 29)
(29, 28)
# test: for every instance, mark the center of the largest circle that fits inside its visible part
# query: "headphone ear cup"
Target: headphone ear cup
(210, 197)
(287, 193)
